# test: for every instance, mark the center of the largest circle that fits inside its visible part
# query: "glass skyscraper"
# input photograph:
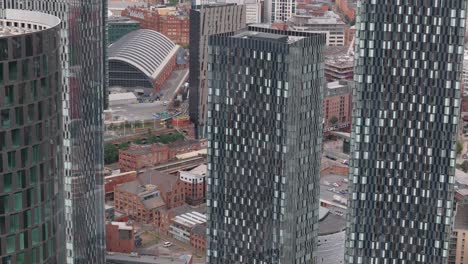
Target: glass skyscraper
(406, 106)
(265, 103)
(84, 80)
(31, 167)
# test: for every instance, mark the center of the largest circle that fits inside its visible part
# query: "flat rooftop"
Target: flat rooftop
(19, 22)
(267, 36)
(461, 217)
(461, 177)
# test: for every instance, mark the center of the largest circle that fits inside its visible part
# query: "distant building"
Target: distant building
(142, 58)
(198, 237)
(347, 7)
(182, 225)
(253, 10)
(118, 27)
(119, 237)
(312, 8)
(206, 21)
(337, 105)
(148, 199)
(195, 184)
(459, 245)
(265, 132)
(172, 22)
(339, 65)
(117, 7)
(329, 24)
(138, 157)
(111, 181)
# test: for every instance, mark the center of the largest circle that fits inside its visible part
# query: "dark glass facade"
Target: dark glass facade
(31, 166)
(265, 103)
(408, 60)
(83, 60)
(207, 20)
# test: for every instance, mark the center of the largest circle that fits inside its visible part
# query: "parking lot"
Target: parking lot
(334, 188)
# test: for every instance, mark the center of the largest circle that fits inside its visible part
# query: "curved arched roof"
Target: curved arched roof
(145, 49)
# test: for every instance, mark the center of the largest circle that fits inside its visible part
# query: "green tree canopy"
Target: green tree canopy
(111, 153)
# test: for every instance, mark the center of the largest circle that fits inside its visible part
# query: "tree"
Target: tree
(459, 147)
(111, 153)
(333, 120)
(124, 146)
(464, 166)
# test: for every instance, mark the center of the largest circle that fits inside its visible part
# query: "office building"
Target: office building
(31, 168)
(280, 10)
(329, 24)
(83, 61)
(253, 10)
(206, 20)
(265, 134)
(408, 79)
(118, 27)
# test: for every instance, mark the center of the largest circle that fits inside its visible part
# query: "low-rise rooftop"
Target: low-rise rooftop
(461, 217)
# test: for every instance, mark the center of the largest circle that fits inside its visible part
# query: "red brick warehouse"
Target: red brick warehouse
(173, 22)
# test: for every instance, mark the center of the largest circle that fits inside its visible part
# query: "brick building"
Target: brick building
(189, 228)
(145, 156)
(198, 237)
(337, 105)
(148, 199)
(119, 237)
(194, 182)
(173, 22)
(347, 8)
(111, 181)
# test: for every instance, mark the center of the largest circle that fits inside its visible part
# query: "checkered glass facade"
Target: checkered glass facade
(408, 60)
(265, 103)
(83, 59)
(31, 167)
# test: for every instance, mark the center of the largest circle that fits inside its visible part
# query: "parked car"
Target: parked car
(345, 162)
(134, 254)
(167, 244)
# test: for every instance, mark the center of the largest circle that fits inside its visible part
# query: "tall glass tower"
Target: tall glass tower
(406, 106)
(31, 167)
(265, 103)
(84, 81)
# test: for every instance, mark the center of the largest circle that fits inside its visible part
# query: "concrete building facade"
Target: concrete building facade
(207, 20)
(265, 133)
(408, 58)
(329, 24)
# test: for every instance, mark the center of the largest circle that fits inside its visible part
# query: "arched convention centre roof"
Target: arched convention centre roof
(147, 50)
